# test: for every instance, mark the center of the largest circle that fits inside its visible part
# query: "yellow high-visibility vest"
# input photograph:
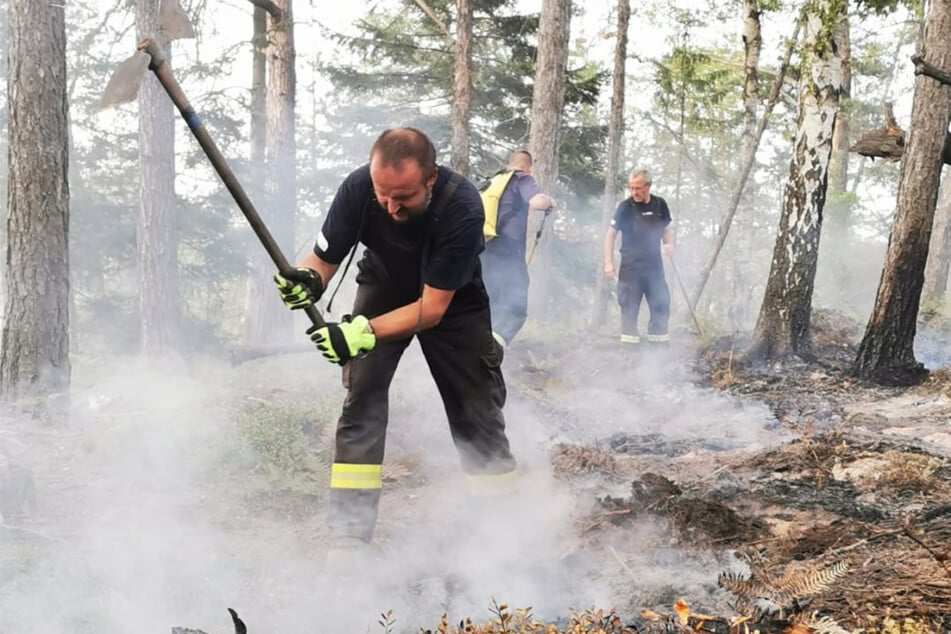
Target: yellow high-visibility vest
(490, 202)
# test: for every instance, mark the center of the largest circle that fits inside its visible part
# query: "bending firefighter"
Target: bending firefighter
(644, 221)
(508, 199)
(419, 276)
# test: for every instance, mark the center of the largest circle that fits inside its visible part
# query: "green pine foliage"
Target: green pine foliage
(401, 72)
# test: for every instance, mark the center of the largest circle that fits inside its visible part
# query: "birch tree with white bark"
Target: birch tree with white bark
(783, 324)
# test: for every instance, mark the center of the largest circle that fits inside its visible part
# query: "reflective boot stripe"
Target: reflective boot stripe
(487, 485)
(658, 338)
(630, 339)
(356, 476)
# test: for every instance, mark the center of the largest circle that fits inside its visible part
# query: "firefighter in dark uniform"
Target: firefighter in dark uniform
(419, 276)
(644, 221)
(503, 261)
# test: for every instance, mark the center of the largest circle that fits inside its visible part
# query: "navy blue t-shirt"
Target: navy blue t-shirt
(440, 249)
(642, 227)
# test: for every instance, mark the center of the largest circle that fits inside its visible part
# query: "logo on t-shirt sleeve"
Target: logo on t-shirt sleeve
(322, 242)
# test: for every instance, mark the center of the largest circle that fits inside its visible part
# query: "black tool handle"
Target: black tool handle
(165, 77)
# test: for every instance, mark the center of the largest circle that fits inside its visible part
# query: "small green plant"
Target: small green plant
(288, 443)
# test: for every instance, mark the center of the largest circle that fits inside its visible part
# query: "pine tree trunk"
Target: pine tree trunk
(548, 94)
(886, 354)
(939, 252)
(273, 322)
(462, 88)
(548, 102)
(260, 288)
(783, 323)
(34, 361)
(156, 239)
(615, 135)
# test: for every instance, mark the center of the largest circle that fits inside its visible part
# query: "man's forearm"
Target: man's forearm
(423, 314)
(609, 247)
(541, 202)
(401, 322)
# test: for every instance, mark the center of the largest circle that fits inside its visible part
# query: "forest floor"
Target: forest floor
(786, 493)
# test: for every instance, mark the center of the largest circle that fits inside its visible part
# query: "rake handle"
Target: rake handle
(683, 289)
(174, 90)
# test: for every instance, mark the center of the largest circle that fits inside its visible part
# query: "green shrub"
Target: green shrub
(290, 444)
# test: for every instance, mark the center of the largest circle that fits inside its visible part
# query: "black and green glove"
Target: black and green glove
(299, 288)
(340, 342)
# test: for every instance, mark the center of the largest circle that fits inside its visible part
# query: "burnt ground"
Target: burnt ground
(784, 494)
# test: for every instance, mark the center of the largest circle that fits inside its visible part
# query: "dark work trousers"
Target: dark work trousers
(465, 362)
(506, 279)
(635, 283)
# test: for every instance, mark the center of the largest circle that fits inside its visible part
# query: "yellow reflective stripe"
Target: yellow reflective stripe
(630, 339)
(489, 484)
(658, 338)
(356, 476)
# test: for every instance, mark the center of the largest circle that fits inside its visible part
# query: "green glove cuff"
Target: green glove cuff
(340, 342)
(359, 335)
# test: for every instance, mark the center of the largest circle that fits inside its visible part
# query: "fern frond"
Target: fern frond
(748, 588)
(800, 584)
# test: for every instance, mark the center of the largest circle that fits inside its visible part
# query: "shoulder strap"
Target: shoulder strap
(353, 252)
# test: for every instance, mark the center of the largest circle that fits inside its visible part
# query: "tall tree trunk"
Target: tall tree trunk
(886, 354)
(752, 45)
(783, 323)
(749, 141)
(462, 87)
(939, 252)
(615, 134)
(156, 237)
(839, 214)
(34, 355)
(548, 103)
(548, 93)
(260, 288)
(273, 320)
(747, 159)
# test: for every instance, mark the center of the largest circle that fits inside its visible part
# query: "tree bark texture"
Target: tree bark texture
(272, 322)
(886, 353)
(548, 102)
(548, 93)
(615, 135)
(939, 251)
(783, 323)
(462, 87)
(752, 45)
(839, 210)
(156, 236)
(34, 362)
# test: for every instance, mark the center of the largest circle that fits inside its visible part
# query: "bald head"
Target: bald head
(520, 160)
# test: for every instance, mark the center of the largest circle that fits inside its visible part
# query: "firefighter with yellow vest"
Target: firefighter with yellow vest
(420, 278)
(509, 197)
